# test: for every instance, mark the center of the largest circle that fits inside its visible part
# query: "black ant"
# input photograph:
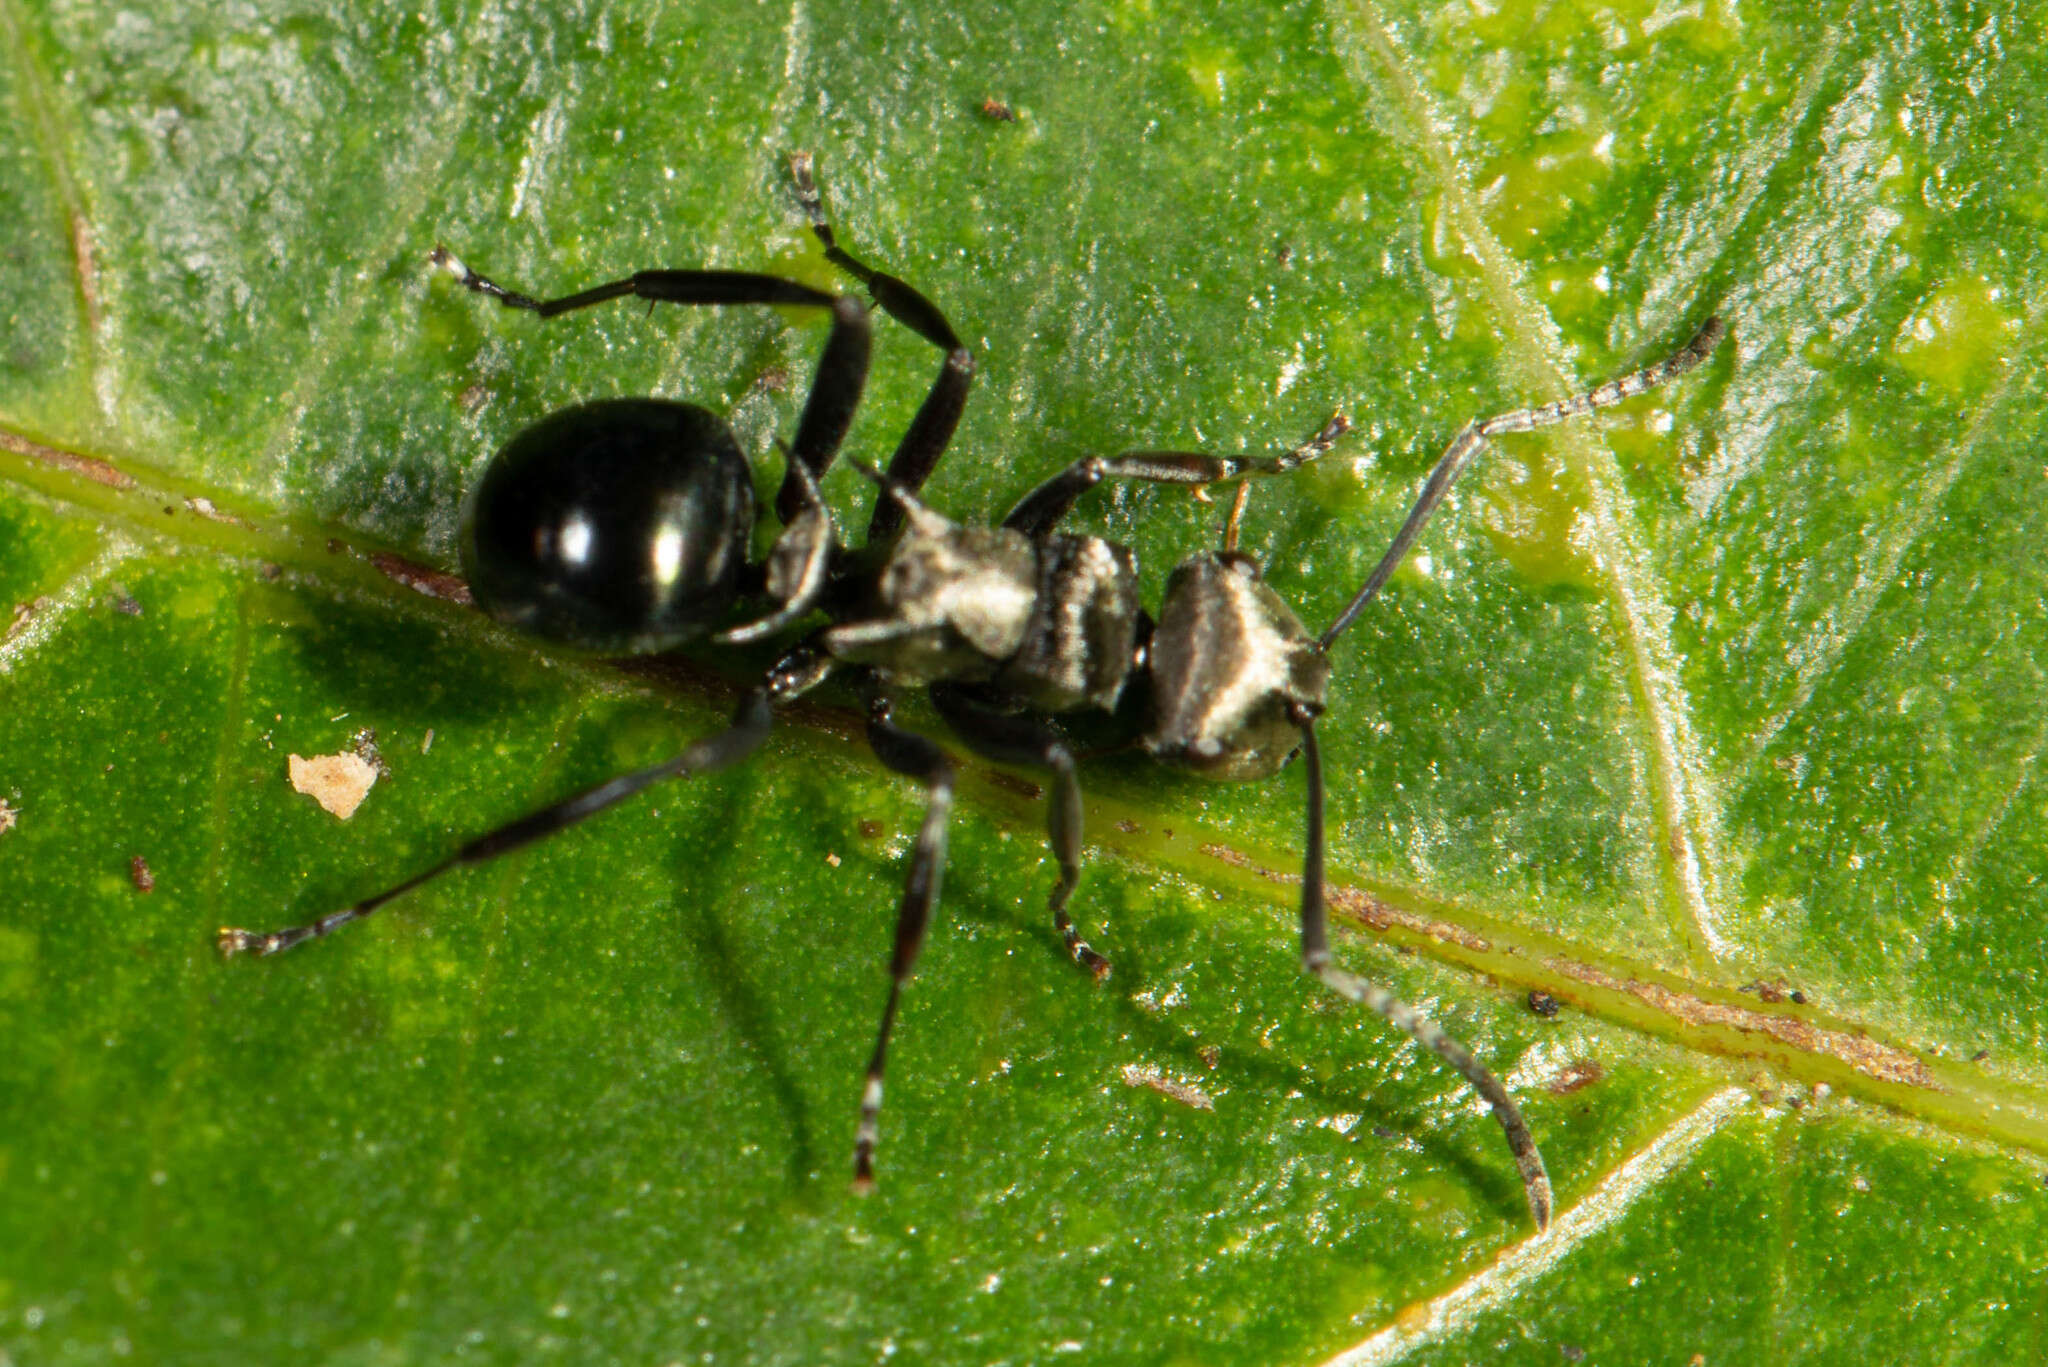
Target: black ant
(622, 526)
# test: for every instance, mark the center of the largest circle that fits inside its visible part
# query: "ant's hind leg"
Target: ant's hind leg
(931, 431)
(798, 671)
(836, 386)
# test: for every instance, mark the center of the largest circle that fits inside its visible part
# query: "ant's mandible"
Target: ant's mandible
(623, 525)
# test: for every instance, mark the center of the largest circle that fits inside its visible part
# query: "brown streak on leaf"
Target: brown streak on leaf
(1010, 783)
(1355, 904)
(23, 614)
(422, 579)
(88, 271)
(1577, 1075)
(98, 471)
(206, 508)
(1881, 1061)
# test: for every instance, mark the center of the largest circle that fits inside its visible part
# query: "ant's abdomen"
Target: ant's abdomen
(619, 526)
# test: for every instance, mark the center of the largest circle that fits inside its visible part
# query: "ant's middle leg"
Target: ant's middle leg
(1039, 511)
(1023, 738)
(917, 455)
(906, 752)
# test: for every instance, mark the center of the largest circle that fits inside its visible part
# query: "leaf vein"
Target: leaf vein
(1499, 1284)
(1688, 807)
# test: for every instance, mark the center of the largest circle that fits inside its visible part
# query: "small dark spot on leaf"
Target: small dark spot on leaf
(869, 830)
(24, 613)
(139, 874)
(996, 111)
(364, 743)
(1543, 1004)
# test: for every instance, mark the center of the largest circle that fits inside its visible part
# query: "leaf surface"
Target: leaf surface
(1715, 717)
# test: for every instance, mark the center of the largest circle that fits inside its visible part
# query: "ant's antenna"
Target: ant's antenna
(1467, 443)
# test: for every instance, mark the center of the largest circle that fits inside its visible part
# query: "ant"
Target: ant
(622, 526)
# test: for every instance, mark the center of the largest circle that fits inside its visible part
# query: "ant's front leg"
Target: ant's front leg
(1039, 511)
(1316, 959)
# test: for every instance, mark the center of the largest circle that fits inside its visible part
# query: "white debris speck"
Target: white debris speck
(337, 782)
(1145, 1075)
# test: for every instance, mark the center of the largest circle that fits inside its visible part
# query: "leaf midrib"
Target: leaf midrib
(1691, 1010)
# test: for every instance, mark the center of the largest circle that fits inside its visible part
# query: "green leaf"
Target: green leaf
(1725, 696)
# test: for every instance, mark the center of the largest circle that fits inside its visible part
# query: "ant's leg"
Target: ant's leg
(1039, 511)
(842, 368)
(796, 569)
(1021, 738)
(800, 670)
(907, 753)
(1315, 958)
(1474, 435)
(917, 455)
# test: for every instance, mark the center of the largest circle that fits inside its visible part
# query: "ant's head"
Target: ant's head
(1229, 666)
